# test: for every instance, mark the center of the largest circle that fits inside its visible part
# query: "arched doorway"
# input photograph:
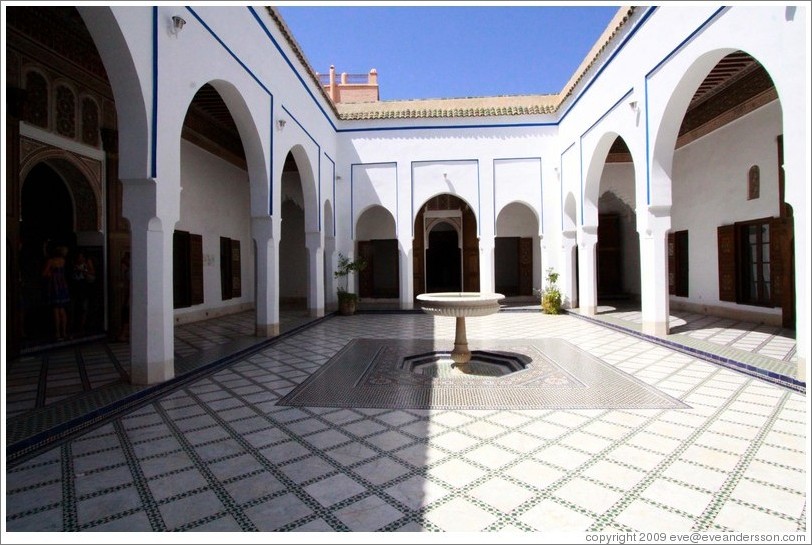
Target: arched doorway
(378, 245)
(446, 246)
(618, 246)
(443, 258)
(515, 265)
(48, 220)
(293, 276)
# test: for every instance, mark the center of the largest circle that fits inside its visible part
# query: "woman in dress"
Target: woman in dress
(56, 290)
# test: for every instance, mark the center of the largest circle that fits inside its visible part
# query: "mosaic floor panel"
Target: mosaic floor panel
(373, 373)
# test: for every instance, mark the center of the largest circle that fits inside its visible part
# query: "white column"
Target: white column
(151, 303)
(315, 272)
(543, 264)
(487, 282)
(587, 269)
(569, 280)
(406, 271)
(267, 322)
(654, 270)
(330, 296)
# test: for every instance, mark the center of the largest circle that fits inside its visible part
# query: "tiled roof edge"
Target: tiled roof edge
(623, 15)
(621, 18)
(288, 35)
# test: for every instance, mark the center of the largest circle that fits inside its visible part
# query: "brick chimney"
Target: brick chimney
(352, 87)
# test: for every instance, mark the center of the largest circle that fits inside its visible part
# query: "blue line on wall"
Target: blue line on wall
(154, 135)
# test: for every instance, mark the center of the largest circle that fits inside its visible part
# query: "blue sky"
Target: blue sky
(451, 51)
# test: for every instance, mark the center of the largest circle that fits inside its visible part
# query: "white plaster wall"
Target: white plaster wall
(214, 202)
(375, 223)
(518, 180)
(373, 186)
(716, 167)
(517, 220)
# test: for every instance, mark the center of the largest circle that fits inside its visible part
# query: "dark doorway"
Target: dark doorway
(47, 221)
(609, 257)
(380, 279)
(506, 263)
(443, 260)
(513, 264)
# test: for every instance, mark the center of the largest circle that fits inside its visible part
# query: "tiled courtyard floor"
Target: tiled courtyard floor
(218, 454)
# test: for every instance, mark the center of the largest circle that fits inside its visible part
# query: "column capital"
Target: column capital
(264, 227)
(313, 240)
(654, 220)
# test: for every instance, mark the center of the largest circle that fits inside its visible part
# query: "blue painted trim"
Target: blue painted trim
(352, 193)
(612, 107)
(304, 84)
(397, 200)
(778, 379)
(690, 37)
(293, 117)
(262, 86)
(318, 151)
(649, 12)
(435, 127)
(665, 59)
(478, 191)
(228, 49)
(541, 210)
(270, 162)
(318, 192)
(561, 181)
(479, 203)
(154, 136)
(290, 65)
(581, 144)
(581, 176)
(541, 198)
(648, 144)
(333, 202)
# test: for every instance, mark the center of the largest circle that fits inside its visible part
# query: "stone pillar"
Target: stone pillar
(587, 269)
(487, 282)
(151, 306)
(333, 86)
(569, 279)
(315, 273)
(654, 270)
(330, 296)
(267, 303)
(406, 271)
(544, 262)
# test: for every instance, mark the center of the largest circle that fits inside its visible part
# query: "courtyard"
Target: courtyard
(221, 451)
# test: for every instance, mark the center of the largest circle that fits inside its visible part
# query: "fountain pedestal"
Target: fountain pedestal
(460, 305)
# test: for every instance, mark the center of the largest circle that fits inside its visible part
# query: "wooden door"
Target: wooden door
(609, 257)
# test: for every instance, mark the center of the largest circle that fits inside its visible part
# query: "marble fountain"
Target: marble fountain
(460, 305)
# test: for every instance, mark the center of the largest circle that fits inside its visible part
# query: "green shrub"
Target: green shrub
(550, 296)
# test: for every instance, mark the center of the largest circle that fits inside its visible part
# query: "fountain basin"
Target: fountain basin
(460, 304)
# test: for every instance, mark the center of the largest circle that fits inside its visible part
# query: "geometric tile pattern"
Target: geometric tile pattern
(370, 373)
(220, 454)
(758, 350)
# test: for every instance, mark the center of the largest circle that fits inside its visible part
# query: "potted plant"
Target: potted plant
(347, 300)
(551, 295)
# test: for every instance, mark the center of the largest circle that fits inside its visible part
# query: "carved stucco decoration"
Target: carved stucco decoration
(82, 175)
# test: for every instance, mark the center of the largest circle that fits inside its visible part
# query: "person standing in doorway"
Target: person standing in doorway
(84, 275)
(56, 290)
